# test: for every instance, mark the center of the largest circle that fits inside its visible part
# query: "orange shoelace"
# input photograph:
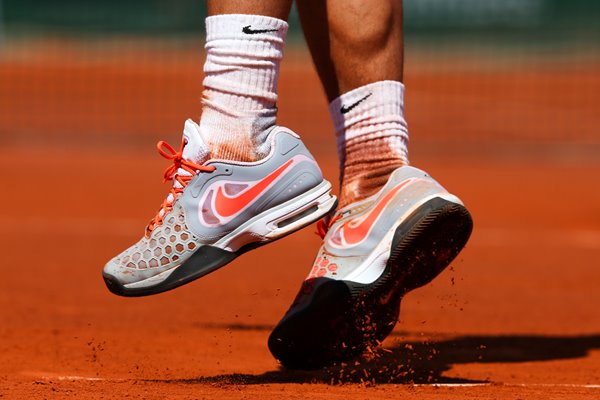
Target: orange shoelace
(323, 226)
(168, 152)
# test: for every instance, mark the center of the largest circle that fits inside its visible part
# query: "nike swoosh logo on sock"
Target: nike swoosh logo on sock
(227, 206)
(345, 109)
(249, 31)
(355, 231)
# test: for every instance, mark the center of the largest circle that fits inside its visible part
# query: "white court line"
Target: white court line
(436, 385)
(49, 376)
(566, 385)
(525, 385)
(119, 227)
(452, 385)
(57, 376)
(75, 378)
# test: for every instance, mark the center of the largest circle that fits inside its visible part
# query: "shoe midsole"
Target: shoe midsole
(267, 226)
(272, 223)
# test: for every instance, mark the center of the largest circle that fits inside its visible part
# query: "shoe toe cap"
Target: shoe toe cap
(122, 273)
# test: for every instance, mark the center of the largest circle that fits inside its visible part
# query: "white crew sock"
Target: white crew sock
(243, 53)
(372, 137)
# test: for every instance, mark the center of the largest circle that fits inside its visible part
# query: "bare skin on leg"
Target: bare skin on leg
(270, 8)
(352, 44)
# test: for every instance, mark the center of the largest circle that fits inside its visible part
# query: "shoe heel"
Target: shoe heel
(304, 214)
(438, 232)
(280, 221)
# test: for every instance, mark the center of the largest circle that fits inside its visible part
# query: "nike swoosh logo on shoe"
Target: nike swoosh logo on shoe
(249, 31)
(356, 230)
(227, 206)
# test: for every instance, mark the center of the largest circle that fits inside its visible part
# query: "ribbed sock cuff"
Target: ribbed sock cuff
(243, 53)
(371, 118)
(245, 27)
(378, 102)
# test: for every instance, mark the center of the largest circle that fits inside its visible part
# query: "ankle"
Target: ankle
(372, 137)
(236, 138)
(363, 179)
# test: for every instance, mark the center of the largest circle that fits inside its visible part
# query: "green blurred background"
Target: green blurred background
(556, 20)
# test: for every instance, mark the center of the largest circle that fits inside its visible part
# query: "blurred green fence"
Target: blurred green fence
(542, 19)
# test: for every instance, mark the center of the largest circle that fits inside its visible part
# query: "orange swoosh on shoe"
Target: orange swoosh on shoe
(356, 231)
(227, 206)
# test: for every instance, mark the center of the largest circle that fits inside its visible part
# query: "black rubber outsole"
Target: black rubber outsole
(335, 321)
(204, 261)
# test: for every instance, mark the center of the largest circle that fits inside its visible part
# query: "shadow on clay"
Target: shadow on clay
(422, 362)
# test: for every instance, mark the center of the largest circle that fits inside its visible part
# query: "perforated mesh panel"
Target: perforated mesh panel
(169, 243)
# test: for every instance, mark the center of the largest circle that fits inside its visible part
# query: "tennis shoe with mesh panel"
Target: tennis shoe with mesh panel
(374, 251)
(218, 209)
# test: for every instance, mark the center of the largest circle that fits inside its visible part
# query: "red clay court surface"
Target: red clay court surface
(516, 316)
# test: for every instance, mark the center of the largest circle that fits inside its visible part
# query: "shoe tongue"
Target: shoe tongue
(196, 149)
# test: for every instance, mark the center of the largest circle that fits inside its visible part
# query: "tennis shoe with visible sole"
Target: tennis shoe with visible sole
(374, 251)
(219, 209)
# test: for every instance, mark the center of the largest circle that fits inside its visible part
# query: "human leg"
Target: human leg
(396, 228)
(353, 43)
(244, 49)
(270, 8)
(238, 180)
(358, 50)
